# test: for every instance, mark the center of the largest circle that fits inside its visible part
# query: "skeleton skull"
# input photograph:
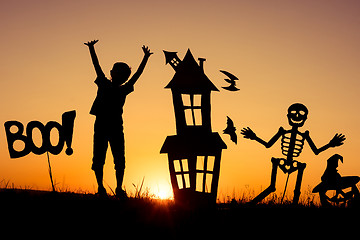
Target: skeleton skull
(297, 114)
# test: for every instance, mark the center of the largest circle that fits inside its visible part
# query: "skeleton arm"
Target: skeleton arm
(248, 133)
(336, 141)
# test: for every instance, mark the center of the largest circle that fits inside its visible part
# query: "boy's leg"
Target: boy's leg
(117, 144)
(119, 178)
(99, 154)
(99, 173)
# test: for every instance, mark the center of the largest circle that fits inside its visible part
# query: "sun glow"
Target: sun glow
(164, 192)
(164, 195)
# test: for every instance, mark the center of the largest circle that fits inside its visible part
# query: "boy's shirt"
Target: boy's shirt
(110, 99)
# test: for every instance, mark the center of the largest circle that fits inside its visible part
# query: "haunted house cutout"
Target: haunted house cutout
(194, 154)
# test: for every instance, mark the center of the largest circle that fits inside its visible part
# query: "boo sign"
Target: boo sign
(65, 131)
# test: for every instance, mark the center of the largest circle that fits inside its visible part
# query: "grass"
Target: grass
(242, 198)
(307, 198)
(64, 214)
(143, 216)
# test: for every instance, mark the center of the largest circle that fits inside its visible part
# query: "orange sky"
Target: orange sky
(283, 52)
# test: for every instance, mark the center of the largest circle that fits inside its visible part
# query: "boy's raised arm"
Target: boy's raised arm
(94, 58)
(139, 71)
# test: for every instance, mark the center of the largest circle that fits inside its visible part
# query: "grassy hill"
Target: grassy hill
(89, 215)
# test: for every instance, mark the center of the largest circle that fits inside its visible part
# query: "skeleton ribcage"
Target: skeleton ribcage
(296, 148)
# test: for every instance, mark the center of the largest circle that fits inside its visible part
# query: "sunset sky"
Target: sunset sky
(282, 52)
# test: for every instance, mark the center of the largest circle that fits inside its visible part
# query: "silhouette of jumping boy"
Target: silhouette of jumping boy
(108, 109)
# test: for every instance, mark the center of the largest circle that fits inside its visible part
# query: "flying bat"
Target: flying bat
(230, 129)
(231, 81)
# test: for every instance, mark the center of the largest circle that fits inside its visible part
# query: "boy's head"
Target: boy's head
(120, 73)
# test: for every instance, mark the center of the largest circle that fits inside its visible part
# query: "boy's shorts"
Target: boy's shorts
(108, 132)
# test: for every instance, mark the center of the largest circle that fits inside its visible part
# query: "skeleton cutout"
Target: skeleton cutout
(292, 143)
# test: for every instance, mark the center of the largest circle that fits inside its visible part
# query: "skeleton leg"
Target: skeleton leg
(301, 167)
(271, 188)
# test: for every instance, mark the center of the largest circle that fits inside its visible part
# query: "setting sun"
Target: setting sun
(163, 192)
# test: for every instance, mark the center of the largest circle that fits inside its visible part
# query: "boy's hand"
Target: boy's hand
(91, 43)
(146, 50)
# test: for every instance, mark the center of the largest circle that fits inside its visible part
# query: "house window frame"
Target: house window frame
(205, 172)
(182, 174)
(175, 62)
(194, 121)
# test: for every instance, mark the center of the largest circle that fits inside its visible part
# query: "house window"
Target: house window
(192, 108)
(204, 173)
(175, 62)
(181, 168)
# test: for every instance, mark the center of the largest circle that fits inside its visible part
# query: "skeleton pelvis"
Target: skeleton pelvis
(288, 166)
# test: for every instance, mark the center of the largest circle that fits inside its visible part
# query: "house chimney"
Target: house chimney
(201, 63)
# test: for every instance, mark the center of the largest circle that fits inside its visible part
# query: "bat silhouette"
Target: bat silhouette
(230, 129)
(231, 81)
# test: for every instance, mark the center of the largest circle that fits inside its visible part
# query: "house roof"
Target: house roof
(169, 56)
(190, 77)
(193, 144)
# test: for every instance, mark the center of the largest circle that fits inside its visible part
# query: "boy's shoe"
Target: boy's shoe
(101, 192)
(120, 193)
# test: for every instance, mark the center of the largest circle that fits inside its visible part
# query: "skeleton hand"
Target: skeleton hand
(248, 133)
(337, 140)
